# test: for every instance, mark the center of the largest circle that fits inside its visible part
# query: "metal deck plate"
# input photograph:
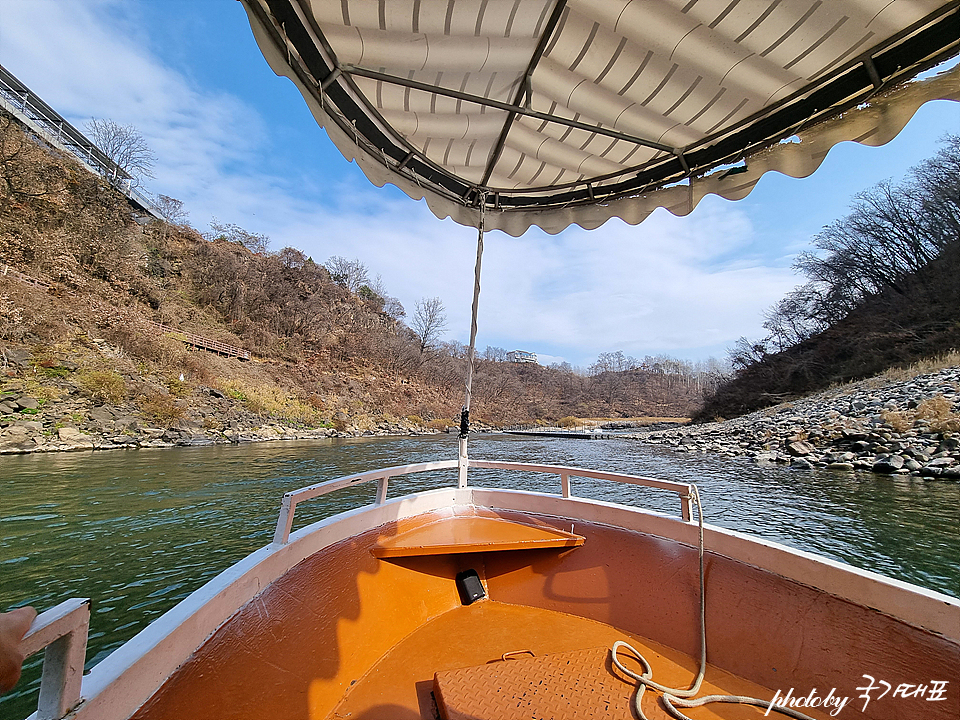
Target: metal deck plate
(562, 686)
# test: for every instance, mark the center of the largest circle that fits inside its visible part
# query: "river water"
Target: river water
(139, 530)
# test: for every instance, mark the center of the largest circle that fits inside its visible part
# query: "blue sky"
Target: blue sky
(237, 143)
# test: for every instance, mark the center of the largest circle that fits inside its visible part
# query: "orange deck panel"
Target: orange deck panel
(400, 686)
(470, 534)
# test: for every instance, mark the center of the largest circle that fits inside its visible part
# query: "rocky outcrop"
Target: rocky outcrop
(888, 427)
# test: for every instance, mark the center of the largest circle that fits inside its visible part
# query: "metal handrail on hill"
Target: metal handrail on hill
(17, 99)
(198, 341)
(26, 279)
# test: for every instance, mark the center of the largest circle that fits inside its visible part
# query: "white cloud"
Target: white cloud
(671, 284)
(659, 287)
(652, 288)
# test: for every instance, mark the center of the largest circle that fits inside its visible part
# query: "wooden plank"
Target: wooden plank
(468, 534)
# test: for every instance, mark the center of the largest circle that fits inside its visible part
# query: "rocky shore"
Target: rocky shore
(905, 427)
(105, 427)
(45, 406)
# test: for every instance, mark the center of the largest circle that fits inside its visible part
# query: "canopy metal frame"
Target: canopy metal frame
(917, 48)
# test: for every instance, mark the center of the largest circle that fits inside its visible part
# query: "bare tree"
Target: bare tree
(745, 353)
(125, 146)
(291, 258)
(891, 234)
(882, 248)
(612, 362)
(256, 243)
(351, 274)
(796, 317)
(392, 307)
(171, 209)
(494, 354)
(428, 323)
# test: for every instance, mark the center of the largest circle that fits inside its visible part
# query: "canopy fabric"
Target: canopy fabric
(553, 112)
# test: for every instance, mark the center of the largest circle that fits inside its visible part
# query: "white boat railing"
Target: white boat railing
(62, 630)
(684, 490)
(291, 499)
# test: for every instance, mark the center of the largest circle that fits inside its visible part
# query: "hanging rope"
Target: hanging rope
(472, 350)
(680, 697)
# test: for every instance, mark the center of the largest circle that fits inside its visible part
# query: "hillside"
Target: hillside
(882, 292)
(891, 330)
(83, 351)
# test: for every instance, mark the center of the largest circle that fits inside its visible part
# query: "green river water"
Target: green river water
(139, 530)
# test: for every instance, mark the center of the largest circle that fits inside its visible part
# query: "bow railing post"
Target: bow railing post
(462, 463)
(285, 520)
(62, 630)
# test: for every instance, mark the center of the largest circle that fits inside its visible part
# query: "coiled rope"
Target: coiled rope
(678, 697)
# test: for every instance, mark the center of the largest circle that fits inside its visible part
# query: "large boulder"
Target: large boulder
(800, 448)
(102, 414)
(18, 356)
(17, 439)
(888, 465)
(74, 439)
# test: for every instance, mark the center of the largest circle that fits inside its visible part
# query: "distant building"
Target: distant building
(521, 356)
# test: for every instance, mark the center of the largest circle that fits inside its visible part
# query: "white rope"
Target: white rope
(676, 696)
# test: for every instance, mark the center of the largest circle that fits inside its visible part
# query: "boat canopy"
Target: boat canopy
(553, 112)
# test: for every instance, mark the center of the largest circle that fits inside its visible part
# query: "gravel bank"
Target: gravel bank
(890, 427)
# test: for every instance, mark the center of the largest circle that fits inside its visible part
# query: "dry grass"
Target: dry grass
(899, 420)
(104, 386)
(271, 401)
(42, 392)
(922, 367)
(937, 412)
(179, 388)
(161, 408)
